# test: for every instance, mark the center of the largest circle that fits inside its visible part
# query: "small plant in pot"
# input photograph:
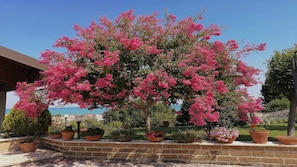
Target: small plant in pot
(166, 123)
(188, 136)
(55, 132)
(94, 133)
(68, 133)
(259, 133)
(122, 135)
(28, 145)
(224, 135)
(155, 136)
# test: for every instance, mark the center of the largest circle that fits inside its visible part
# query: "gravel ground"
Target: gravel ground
(106, 163)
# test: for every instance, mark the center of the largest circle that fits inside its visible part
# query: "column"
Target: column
(2, 107)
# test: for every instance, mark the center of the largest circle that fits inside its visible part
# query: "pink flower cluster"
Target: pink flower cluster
(154, 87)
(223, 134)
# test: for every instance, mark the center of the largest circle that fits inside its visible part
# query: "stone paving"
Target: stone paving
(17, 158)
(49, 158)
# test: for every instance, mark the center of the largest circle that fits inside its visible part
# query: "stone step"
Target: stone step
(16, 158)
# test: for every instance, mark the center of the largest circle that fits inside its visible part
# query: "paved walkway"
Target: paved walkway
(17, 158)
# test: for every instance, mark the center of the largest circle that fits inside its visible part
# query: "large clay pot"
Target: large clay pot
(290, 140)
(28, 147)
(228, 141)
(260, 137)
(93, 138)
(68, 135)
(155, 139)
(123, 139)
(55, 135)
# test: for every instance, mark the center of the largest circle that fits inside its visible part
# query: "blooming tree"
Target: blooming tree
(144, 60)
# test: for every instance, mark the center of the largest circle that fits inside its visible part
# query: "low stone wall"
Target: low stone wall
(10, 144)
(237, 153)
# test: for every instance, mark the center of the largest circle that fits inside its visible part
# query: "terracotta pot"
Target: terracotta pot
(166, 124)
(228, 141)
(28, 147)
(68, 135)
(155, 139)
(123, 139)
(93, 138)
(55, 136)
(290, 140)
(260, 137)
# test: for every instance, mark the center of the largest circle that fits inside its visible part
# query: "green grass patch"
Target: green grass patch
(275, 130)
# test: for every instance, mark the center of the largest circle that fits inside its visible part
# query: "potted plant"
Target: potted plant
(28, 145)
(122, 135)
(55, 132)
(188, 136)
(259, 134)
(290, 140)
(68, 133)
(223, 134)
(94, 134)
(166, 123)
(155, 136)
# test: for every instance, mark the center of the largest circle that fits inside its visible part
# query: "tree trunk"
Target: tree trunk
(291, 119)
(147, 120)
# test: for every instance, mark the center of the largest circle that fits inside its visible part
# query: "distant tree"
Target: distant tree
(129, 116)
(134, 118)
(183, 117)
(277, 105)
(279, 81)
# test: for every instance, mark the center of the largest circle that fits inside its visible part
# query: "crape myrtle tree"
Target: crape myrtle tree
(279, 82)
(148, 60)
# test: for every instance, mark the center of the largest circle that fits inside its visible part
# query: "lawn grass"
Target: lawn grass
(275, 130)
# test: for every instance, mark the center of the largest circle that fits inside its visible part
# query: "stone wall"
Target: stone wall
(237, 153)
(10, 144)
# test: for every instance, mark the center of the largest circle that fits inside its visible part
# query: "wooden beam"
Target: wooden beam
(21, 58)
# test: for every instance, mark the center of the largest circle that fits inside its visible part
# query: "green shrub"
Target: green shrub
(93, 131)
(125, 133)
(277, 105)
(17, 124)
(112, 126)
(130, 116)
(161, 113)
(188, 136)
(134, 118)
(158, 118)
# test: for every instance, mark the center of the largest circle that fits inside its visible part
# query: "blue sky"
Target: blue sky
(32, 26)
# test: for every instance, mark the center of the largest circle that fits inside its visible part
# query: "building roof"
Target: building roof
(16, 67)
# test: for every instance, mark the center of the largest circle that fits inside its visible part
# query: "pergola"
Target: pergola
(15, 67)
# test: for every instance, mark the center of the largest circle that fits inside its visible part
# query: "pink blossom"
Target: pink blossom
(101, 83)
(108, 77)
(232, 44)
(172, 17)
(132, 44)
(84, 86)
(154, 50)
(256, 120)
(262, 46)
(221, 87)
